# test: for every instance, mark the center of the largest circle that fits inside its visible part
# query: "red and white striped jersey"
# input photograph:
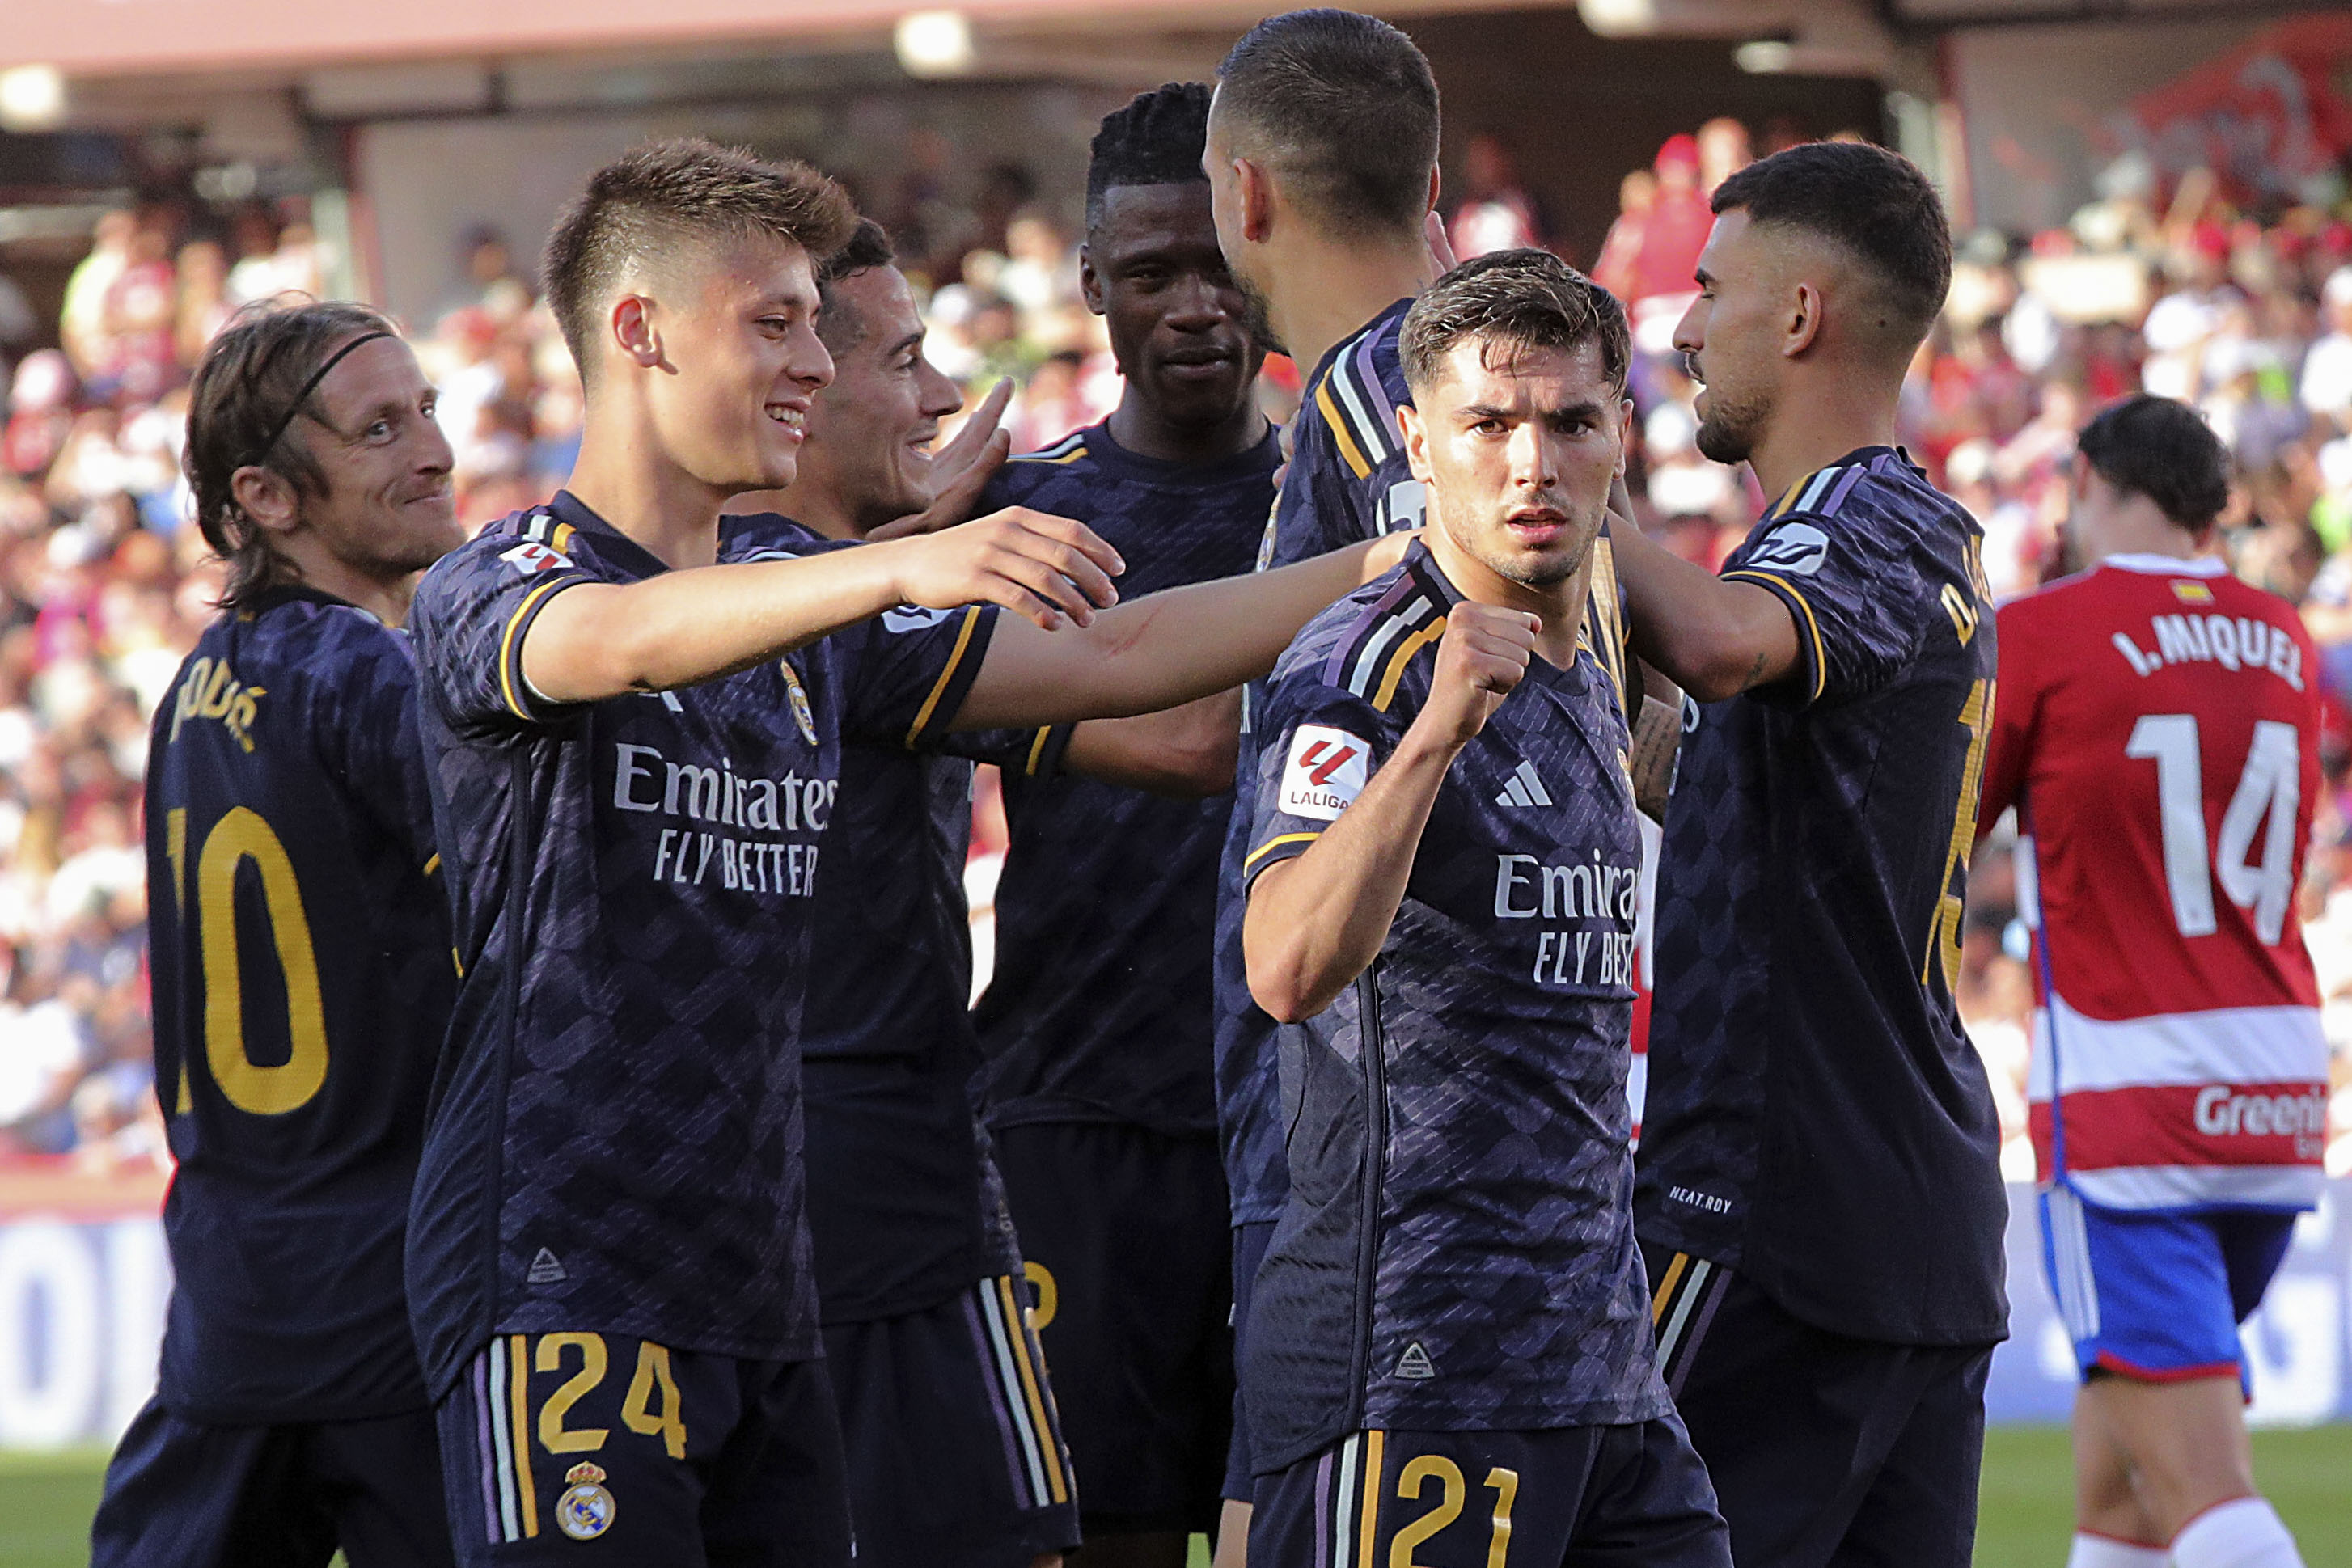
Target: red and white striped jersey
(2156, 726)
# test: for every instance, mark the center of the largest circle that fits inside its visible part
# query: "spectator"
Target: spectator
(1496, 213)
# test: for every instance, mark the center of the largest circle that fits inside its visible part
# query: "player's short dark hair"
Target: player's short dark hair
(2152, 446)
(678, 192)
(1875, 204)
(1513, 300)
(1156, 140)
(241, 414)
(1343, 109)
(868, 246)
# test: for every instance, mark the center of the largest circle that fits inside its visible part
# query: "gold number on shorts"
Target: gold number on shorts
(1506, 1492)
(636, 1413)
(1452, 1490)
(553, 1436)
(240, 836)
(1049, 1295)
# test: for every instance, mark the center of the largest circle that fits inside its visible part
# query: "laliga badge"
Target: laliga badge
(585, 1510)
(803, 714)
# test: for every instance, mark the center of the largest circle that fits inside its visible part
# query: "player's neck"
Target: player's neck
(308, 562)
(815, 507)
(1558, 605)
(624, 478)
(1822, 419)
(1138, 428)
(1334, 287)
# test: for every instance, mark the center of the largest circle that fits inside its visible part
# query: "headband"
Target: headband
(310, 386)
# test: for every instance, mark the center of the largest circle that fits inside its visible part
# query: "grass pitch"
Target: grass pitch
(2026, 1514)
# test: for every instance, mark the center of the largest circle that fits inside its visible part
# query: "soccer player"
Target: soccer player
(635, 738)
(1097, 1025)
(1449, 1358)
(299, 939)
(1819, 1201)
(949, 1420)
(2158, 733)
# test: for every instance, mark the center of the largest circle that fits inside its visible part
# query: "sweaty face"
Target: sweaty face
(1152, 269)
(389, 509)
(1518, 450)
(1728, 338)
(740, 365)
(870, 433)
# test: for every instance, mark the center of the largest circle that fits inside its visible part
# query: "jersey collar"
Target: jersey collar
(1800, 496)
(1424, 568)
(2169, 565)
(615, 548)
(1258, 461)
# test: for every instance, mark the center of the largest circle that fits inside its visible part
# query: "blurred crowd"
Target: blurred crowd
(2166, 285)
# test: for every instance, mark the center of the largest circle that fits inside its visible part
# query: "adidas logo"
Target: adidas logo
(546, 1269)
(1525, 788)
(1415, 1362)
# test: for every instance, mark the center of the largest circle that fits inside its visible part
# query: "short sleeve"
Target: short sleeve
(471, 615)
(1027, 753)
(1861, 607)
(909, 671)
(2016, 702)
(1322, 746)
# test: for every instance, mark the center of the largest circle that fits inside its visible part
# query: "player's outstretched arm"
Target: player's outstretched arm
(1714, 639)
(1187, 751)
(1316, 921)
(601, 640)
(1163, 649)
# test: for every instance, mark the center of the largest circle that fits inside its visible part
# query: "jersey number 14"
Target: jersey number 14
(2269, 793)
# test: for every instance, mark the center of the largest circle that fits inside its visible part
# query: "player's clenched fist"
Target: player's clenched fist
(1048, 568)
(1483, 654)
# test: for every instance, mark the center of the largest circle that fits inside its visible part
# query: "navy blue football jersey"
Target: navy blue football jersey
(1816, 1118)
(1349, 481)
(619, 1145)
(905, 1210)
(300, 942)
(1101, 1007)
(1456, 1251)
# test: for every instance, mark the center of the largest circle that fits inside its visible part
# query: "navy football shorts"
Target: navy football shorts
(955, 1452)
(1249, 1251)
(663, 1458)
(1576, 1497)
(272, 1497)
(1824, 1449)
(2157, 1297)
(1129, 1245)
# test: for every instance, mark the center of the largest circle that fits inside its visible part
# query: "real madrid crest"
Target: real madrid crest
(803, 714)
(585, 1510)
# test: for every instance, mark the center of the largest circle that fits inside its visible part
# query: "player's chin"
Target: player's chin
(1201, 395)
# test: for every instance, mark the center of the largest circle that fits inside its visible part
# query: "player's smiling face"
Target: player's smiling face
(387, 508)
(1517, 447)
(870, 431)
(1151, 268)
(728, 332)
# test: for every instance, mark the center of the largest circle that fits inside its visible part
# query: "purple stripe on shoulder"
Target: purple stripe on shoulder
(1376, 394)
(1846, 487)
(1335, 667)
(991, 1381)
(490, 1457)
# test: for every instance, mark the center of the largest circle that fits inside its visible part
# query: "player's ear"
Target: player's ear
(1257, 190)
(634, 332)
(1805, 320)
(267, 497)
(1624, 432)
(1090, 287)
(1416, 440)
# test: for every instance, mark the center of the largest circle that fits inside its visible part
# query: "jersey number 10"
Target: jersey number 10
(2269, 790)
(239, 836)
